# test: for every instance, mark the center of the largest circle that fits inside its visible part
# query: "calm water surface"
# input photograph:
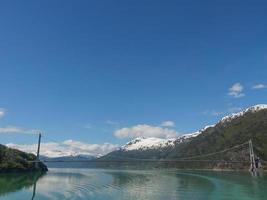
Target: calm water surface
(81, 184)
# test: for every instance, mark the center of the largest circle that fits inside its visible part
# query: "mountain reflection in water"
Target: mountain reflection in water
(83, 184)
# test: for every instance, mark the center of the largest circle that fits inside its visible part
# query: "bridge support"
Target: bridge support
(252, 157)
(39, 144)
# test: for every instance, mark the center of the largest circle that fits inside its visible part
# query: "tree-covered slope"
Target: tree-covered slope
(12, 160)
(228, 133)
(232, 130)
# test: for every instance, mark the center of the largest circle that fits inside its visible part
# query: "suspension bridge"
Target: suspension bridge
(201, 158)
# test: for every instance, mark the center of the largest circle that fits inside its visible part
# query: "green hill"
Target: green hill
(12, 160)
(232, 130)
(252, 125)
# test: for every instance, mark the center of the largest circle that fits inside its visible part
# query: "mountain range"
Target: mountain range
(186, 151)
(235, 129)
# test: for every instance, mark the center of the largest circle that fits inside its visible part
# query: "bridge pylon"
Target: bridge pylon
(252, 156)
(38, 148)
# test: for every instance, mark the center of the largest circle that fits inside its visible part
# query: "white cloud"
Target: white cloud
(236, 91)
(168, 124)
(14, 129)
(144, 130)
(259, 86)
(2, 112)
(66, 148)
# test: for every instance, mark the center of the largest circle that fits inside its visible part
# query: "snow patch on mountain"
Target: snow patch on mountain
(147, 143)
(232, 116)
(142, 143)
(200, 131)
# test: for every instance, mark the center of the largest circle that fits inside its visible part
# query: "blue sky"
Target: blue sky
(81, 70)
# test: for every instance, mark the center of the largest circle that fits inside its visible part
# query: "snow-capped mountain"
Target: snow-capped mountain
(230, 131)
(228, 118)
(142, 143)
(156, 145)
(252, 109)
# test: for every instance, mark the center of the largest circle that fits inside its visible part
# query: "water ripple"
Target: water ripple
(77, 184)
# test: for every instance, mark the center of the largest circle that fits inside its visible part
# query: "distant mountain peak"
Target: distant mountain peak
(142, 143)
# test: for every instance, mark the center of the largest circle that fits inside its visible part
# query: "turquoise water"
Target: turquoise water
(97, 184)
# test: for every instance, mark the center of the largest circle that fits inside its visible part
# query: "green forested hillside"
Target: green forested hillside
(225, 134)
(252, 125)
(12, 160)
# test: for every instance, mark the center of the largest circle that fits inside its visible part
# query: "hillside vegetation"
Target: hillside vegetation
(12, 160)
(227, 133)
(252, 125)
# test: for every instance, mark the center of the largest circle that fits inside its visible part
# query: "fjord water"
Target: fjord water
(99, 184)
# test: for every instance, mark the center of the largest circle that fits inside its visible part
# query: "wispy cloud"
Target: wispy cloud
(234, 109)
(144, 130)
(259, 86)
(67, 148)
(14, 129)
(236, 91)
(87, 126)
(212, 113)
(110, 122)
(222, 113)
(2, 112)
(168, 124)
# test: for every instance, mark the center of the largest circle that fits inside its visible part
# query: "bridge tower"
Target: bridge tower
(252, 156)
(39, 144)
